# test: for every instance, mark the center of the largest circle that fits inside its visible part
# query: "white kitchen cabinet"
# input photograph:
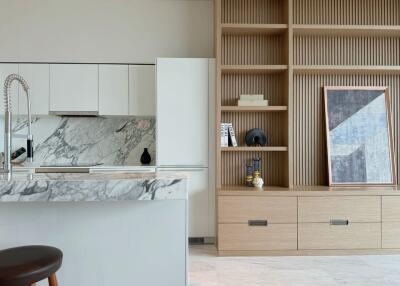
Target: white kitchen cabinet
(198, 195)
(6, 70)
(142, 90)
(113, 90)
(37, 77)
(212, 141)
(74, 88)
(182, 112)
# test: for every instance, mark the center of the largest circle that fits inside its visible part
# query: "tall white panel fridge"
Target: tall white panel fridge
(183, 99)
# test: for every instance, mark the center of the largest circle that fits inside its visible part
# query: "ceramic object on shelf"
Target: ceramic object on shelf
(249, 175)
(145, 159)
(255, 137)
(258, 182)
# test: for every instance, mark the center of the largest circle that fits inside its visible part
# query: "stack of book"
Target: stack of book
(228, 138)
(252, 100)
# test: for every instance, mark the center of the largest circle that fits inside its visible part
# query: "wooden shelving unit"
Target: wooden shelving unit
(289, 50)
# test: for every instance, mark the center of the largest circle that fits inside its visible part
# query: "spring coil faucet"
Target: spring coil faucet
(8, 121)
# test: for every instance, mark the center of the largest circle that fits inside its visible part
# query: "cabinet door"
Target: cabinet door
(6, 70)
(37, 76)
(198, 195)
(182, 112)
(142, 90)
(113, 90)
(211, 142)
(74, 88)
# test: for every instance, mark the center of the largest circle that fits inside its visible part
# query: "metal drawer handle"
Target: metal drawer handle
(339, 222)
(258, 223)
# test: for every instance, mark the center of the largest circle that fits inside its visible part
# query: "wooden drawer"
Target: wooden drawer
(391, 235)
(391, 208)
(354, 209)
(245, 237)
(352, 236)
(235, 209)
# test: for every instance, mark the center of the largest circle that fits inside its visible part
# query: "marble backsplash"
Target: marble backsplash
(113, 140)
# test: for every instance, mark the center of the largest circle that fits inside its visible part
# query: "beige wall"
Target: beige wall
(135, 31)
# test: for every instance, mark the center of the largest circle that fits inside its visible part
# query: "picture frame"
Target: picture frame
(359, 136)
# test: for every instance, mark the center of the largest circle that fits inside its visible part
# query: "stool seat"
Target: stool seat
(27, 265)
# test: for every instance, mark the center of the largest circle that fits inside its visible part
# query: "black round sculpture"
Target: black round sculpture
(256, 137)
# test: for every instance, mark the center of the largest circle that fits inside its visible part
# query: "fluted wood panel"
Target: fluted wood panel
(309, 147)
(273, 167)
(336, 50)
(271, 85)
(252, 50)
(346, 12)
(252, 11)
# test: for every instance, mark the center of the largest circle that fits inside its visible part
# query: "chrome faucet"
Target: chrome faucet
(8, 122)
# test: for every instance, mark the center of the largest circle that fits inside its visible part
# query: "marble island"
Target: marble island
(92, 187)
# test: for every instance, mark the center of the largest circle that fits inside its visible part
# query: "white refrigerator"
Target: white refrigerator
(185, 96)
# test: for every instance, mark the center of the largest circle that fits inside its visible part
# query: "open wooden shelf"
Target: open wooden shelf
(253, 108)
(346, 30)
(255, 149)
(331, 69)
(246, 29)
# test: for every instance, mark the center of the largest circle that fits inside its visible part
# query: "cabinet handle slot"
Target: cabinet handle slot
(339, 222)
(258, 223)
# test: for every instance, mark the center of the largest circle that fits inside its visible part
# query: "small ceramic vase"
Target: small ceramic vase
(145, 159)
(258, 182)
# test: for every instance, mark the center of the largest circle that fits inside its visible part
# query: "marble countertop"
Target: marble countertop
(24, 187)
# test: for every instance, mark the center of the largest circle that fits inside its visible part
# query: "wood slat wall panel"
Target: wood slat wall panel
(309, 146)
(336, 50)
(273, 167)
(271, 85)
(252, 11)
(346, 12)
(252, 50)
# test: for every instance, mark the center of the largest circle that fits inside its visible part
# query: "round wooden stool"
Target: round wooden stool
(24, 266)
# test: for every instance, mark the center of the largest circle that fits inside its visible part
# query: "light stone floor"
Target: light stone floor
(205, 269)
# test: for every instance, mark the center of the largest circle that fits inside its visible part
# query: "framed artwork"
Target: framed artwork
(359, 136)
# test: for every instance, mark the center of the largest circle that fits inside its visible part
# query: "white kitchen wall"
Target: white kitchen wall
(117, 31)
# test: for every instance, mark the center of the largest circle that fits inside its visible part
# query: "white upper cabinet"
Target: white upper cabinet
(113, 90)
(6, 70)
(182, 112)
(37, 77)
(142, 90)
(74, 88)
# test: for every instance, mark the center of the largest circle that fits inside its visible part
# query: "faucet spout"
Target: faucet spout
(8, 120)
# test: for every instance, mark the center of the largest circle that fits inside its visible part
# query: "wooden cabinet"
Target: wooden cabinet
(37, 77)
(352, 236)
(113, 90)
(351, 208)
(6, 70)
(242, 237)
(74, 88)
(233, 209)
(142, 90)
(390, 222)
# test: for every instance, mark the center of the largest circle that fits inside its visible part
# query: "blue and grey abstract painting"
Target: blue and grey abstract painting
(359, 143)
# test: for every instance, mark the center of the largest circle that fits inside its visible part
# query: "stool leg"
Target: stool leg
(53, 280)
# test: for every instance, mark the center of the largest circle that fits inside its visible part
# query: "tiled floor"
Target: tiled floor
(208, 270)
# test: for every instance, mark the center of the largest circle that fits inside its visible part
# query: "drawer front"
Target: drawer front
(391, 235)
(391, 209)
(354, 209)
(234, 209)
(352, 236)
(245, 237)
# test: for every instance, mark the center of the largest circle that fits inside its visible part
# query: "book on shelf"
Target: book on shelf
(252, 97)
(253, 103)
(232, 138)
(224, 135)
(228, 137)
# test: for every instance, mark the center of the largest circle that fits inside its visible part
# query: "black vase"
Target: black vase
(145, 159)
